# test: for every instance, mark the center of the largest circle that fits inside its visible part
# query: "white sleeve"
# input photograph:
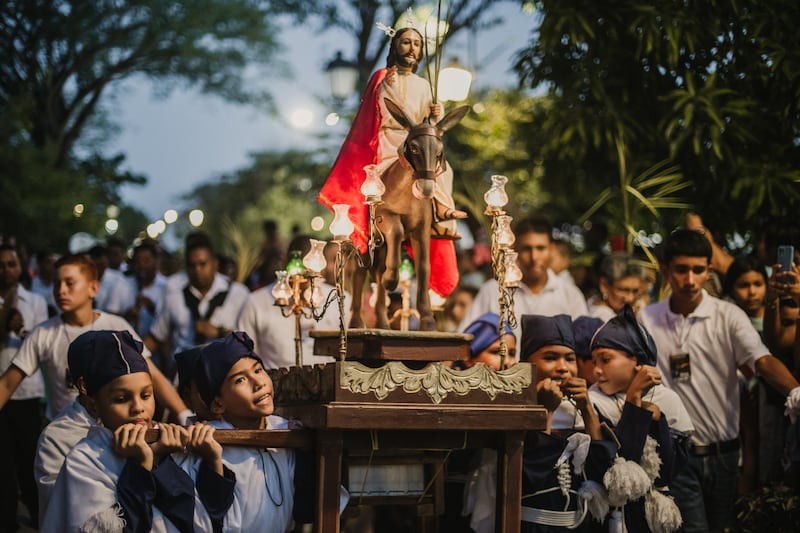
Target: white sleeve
(745, 340)
(27, 358)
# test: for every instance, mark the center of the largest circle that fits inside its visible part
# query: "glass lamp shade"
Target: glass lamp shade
(341, 227)
(295, 265)
(281, 290)
(372, 188)
(454, 82)
(503, 234)
(314, 260)
(496, 197)
(406, 271)
(437, 301)
(513, 273)
(313, 296)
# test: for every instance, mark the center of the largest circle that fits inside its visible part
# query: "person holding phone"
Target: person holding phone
(701, 342)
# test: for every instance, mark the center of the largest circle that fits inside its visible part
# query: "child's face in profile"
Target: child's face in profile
(245, 398)
(555, 362)
(614, 369)
(191, 397)
(127, 399)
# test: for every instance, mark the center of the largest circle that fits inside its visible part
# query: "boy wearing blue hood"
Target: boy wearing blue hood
(113, 479)
(235, 387)
(649, 421)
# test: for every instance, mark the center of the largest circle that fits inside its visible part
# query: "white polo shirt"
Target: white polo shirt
(174, 324)
(719, 338)
(115, 293)
(33, 309)
(47, 345)
(556, 298)
(273, 334)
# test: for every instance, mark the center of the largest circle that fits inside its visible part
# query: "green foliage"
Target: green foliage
(774, 508)
(58, 58)
(279, 186)
(712, 86)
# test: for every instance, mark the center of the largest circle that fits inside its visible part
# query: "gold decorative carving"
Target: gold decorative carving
(436, 379)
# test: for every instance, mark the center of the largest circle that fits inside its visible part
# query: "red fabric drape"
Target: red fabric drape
(343, 186)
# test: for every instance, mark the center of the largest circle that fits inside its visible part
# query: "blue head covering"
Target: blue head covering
(186, 362)
(106, 355)
(584, 328)
(215, 361)
(624, 333)
(484, 331)
(538, 331)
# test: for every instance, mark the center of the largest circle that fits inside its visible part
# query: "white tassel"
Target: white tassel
(651, 461)
(108, 521)
(661, 513)
(595, 497)
(616, 524)
(564, 477)
(625, 481)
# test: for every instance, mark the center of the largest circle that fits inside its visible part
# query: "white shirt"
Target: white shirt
(557, 297)
(33, 309)
(47, 345)
(263, 497)
(45, 291)
(719, 338)
(115, 294)
(173, 323)
(55, 442)
(154, 292)
(667, 401)
(87, 485)
(273, 334)
(603, 312)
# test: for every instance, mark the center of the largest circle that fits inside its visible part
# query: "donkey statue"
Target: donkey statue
(406, 216)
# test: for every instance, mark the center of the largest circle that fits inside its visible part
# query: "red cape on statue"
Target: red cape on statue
(343, 186)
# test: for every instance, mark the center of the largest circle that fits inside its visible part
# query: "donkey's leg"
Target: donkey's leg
(421, 245)
(394, 239)
(359, 276)
(377, 271)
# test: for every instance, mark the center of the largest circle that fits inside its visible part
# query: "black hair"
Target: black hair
(688, 242)
(195, 241)
(147, 245)
(534, 224)
(740, 266)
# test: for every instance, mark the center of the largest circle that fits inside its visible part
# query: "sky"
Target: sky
(188, 138)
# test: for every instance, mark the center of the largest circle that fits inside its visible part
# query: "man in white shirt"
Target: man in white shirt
(196, 312)
(541, 291)
(20, 419)
(115, 293)
(701, 342)
(271, 331)
(149, 285)
(47, 344)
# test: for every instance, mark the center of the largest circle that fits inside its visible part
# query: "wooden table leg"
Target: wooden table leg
(509, 481)
(329, 468)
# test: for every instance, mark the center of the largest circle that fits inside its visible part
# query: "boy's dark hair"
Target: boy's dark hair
(147, 245)
(195, 241)
(97, 251)
(534, 224)
(5, 247)
(740, 266)
(84, 263)
(688, 242)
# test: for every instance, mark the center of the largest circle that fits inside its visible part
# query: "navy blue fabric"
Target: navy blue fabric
(136, 491)
(107, 356)
(624, 333)
(584, 328)
(216, 360)
(538, 331)
(216, 493)
(174, 494)
(186, 362)
(484, 330)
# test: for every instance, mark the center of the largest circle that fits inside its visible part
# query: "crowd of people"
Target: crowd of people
(694, 387)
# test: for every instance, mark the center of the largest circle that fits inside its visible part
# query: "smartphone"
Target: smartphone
(785, 259)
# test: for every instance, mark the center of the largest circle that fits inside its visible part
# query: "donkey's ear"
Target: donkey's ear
(452, 118)
(398, 114)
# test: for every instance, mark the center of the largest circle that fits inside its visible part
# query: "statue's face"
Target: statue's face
(408, 49)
